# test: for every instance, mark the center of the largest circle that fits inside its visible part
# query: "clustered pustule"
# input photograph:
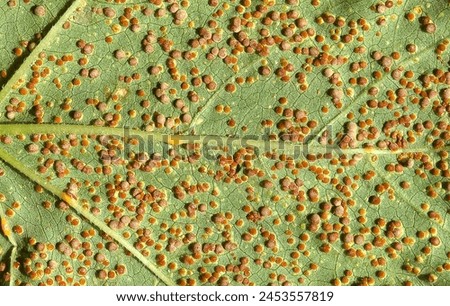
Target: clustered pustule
(177, 209)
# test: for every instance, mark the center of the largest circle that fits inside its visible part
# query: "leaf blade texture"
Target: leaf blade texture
(225, 143)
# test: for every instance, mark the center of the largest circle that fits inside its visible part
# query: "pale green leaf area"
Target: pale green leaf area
(224, 142)
(22, 30)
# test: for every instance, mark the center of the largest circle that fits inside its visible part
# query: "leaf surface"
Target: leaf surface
(195, 143)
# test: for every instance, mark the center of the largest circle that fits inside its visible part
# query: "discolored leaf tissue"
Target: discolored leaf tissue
(239, 142)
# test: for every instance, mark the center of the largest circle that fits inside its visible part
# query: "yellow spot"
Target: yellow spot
(18, 83)
(417, 10)
(67, 198)
(350, 92)
(5, 227)
(116, 28)
(173, 141)
(176, 140)
(121, 92)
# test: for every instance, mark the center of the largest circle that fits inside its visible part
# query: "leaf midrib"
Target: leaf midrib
(175, 139)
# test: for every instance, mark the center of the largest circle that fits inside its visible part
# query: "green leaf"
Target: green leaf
(233, 143)
(22, 29)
